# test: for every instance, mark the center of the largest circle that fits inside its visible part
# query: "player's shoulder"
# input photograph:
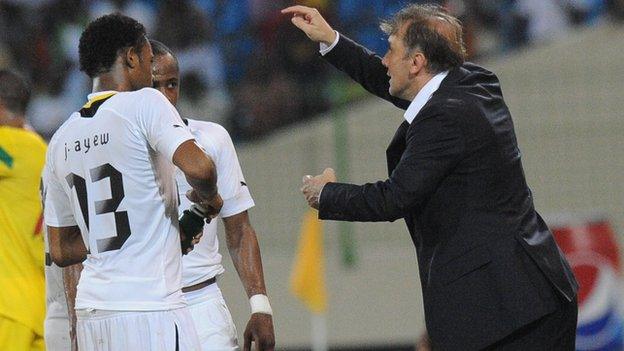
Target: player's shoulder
(139, 104)
(139, 97)
(209, 132)
(23, 137)
(153, 93)
(64, 128)
(208, 127)
(35, 139)
(34, 146)
(23, 145)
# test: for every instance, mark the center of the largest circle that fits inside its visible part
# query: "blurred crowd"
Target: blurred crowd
(242, 63)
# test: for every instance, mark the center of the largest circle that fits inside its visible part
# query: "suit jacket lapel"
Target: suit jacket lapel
(397, 145)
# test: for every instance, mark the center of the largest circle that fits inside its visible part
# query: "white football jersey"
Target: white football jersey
(56, 324)
(112, 175)
(56, 304)
(204, 262)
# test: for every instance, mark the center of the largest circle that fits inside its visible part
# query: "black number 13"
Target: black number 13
(122, 225)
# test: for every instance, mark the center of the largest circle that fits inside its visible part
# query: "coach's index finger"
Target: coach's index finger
(312, 23)
(299, 10)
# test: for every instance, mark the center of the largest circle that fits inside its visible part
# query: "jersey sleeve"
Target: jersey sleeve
(57, 210)
(161, 123)
(230, 181)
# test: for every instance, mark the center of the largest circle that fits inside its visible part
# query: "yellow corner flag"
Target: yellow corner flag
(307, 280)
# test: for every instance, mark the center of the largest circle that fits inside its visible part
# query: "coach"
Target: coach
(492, 275)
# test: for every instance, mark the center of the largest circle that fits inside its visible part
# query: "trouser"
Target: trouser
(100, 330)
(56, 333)
(212, 319)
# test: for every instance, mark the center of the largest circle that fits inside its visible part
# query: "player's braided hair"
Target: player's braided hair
(102, 40)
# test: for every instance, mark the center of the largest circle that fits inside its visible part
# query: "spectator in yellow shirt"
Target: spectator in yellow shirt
(22, 155)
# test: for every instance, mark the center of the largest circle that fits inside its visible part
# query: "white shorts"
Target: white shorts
(56, 334)
(100, 330)
(212, 319)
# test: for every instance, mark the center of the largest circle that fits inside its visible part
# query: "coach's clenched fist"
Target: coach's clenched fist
(312, 186)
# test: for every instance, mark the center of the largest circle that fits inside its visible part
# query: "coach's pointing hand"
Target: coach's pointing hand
(312, 186)
(310, 21)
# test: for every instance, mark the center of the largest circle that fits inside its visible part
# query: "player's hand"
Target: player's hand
(260, 331)
(310, 21)
(312, 186)
(187, 243)
(424, 344)
(210, 207)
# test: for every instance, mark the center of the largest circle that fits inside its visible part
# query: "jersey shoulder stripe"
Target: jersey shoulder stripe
(91, 107)
(6, 158)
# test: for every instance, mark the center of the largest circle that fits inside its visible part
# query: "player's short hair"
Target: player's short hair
(160, 49)
(432, 31)
(102, 40)
(14, 92)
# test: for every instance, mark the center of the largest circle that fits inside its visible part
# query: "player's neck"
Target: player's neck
(111, 81)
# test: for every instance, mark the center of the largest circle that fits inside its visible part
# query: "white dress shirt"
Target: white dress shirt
(423, 96)
(419, 101)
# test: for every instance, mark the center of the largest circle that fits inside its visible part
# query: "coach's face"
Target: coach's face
(402, 67)
(167, 77)
(140, 66)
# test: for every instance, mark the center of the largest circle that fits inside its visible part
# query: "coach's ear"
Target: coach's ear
(418, 63)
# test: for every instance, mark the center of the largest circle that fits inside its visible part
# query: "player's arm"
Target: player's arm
(66, 245)
(361, 64)
(243, 246)
(64, 237)
(71, 275)
(165, 132)
(199, 170)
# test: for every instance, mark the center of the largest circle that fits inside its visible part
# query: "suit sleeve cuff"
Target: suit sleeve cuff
(325, 206)
(324, 48)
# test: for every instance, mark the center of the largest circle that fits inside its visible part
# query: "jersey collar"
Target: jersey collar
(97, 96)
(95, 101)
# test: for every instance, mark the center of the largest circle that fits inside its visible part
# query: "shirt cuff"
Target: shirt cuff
(324, 48)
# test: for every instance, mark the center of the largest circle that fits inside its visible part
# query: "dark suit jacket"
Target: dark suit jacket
(488, 264)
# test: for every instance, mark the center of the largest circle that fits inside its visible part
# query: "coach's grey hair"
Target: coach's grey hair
(432, 31)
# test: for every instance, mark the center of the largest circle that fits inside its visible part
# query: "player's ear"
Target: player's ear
(131, 57)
